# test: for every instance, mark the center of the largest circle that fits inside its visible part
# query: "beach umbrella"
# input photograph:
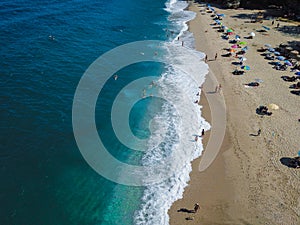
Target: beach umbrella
(237, 37)
(273, 106)
(276, 53)
(271, 49)
(245, 48)
(299, 153)
(242, 43)
(221, 15)
(281, 58)
(297, 73)
(252, 34)
(234, 46)
(268, 45)
(242, 58)
(229, 30)
(287, 62)
(277, 64)
(245, 67)
(267, 28)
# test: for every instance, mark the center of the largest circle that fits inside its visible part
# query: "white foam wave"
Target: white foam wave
(181, 81)
(179, 17)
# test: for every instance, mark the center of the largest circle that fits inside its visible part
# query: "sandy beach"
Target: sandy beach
(246, 183)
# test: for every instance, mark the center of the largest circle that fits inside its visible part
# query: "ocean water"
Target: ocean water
(45, 49)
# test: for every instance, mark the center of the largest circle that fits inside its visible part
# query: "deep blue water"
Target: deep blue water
(44, 179)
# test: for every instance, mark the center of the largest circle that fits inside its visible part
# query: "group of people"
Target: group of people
(202, 134)
(206, 58)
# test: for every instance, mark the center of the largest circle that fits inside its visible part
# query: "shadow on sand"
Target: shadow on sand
(290, 162)
(186, 210)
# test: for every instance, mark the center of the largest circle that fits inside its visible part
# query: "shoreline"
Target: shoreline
(242, 185)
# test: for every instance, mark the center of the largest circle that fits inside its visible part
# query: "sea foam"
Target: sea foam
(178, 122)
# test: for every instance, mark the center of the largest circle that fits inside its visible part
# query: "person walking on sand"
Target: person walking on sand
(205, 59)
(216, 56)
(196, 207)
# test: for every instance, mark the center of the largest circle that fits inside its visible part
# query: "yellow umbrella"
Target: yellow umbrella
(273, 106)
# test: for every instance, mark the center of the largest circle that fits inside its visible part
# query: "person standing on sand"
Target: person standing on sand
(258, 132)
(216, 56)
(202, 133)
(205, 58)
(196, 207)
(219, 88)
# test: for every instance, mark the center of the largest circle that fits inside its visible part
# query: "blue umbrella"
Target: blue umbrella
(267, 28)
(245, 67)
(287, 62)
(221, 15)
(245, 48)
(277, 63)
(276, 53)
(271, 49)
(281, 58)
(299, 153)
(297, 73)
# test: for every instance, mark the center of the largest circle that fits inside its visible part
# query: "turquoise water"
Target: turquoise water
(45, 49)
